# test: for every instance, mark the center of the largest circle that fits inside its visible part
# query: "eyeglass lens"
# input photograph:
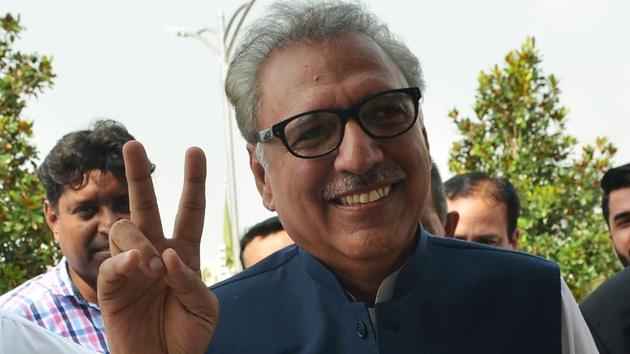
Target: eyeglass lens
(382, 116)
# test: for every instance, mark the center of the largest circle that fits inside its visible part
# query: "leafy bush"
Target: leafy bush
(26, 245)
(519, 132)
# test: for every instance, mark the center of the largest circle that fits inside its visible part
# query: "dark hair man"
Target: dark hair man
(488, 209)
(607, 309)
(328, 102)
(86, 192)
(262, 240)
(435, 218)
(616, 209)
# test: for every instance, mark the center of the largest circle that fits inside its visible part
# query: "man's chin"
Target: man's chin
(376, 248)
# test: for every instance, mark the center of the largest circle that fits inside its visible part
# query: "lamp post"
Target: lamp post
(221, 43)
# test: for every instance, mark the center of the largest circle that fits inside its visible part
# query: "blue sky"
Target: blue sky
(115, 59)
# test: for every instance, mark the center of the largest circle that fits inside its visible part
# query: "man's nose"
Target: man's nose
(358, 152)
(107, 218)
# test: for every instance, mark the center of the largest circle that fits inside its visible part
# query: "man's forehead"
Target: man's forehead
(97, 178)
(619, 201)
(480, 208)
(476, 198)
(311, 74)
(320, 53)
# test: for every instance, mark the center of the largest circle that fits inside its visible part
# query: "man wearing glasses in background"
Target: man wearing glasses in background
(328, 101)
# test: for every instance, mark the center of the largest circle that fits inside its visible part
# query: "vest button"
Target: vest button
(361, 329)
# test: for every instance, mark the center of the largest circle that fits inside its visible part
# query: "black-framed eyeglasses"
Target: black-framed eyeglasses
(316, 133)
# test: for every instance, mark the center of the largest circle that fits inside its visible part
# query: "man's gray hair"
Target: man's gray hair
(260, 156)
(288, 22)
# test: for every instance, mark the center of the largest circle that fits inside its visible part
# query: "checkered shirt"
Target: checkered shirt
(53, 302)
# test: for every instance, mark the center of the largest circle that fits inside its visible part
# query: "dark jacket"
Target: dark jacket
(607, 313)
(450, 297)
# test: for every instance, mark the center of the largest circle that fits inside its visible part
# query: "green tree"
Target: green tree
(519, 132)
(26, 245)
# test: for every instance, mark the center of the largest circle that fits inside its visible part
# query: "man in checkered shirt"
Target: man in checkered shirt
(86, 192)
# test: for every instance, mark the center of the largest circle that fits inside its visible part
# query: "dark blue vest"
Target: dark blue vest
(450, 297)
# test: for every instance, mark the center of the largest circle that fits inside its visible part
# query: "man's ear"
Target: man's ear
(452, 218)
(426, 142)
(426, 139)
(260, 176)
(51, 218)
(515, 238)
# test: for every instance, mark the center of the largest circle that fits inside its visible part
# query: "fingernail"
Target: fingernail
(155, 263)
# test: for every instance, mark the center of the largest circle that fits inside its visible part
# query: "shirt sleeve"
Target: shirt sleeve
(576, 337)
(19, 336)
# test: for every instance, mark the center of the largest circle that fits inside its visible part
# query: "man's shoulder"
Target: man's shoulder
(462, 251)
(272, 269)
(30, 295)
(610, 296)
(607, 313)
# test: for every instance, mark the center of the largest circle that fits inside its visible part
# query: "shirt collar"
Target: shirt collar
(64, 286)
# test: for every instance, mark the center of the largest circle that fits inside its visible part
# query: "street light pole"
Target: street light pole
(225, 38)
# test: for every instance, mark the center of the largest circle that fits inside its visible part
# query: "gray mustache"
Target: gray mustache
(376, 175)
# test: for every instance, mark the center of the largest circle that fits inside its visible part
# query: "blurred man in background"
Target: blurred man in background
(488, 209)
(436, 218)
(607, 309)
(616, 209)
(86, 192)
(263, 239)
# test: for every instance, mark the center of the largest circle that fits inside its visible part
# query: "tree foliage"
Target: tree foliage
(26, 246)
(519, 132)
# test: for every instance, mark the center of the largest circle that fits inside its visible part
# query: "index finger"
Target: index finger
(142, 201)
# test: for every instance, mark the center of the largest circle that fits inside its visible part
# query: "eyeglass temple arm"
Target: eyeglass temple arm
(264, 135)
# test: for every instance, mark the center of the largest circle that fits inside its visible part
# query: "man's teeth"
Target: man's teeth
(367, 197)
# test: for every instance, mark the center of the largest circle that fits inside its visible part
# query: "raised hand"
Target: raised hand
(150, 292)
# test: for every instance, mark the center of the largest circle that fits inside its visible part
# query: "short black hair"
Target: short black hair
(262, 229)
(500, 191)
(438, 195)
(78, 152)
(615, 178)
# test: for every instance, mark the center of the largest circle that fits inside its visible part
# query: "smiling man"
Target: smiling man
(86, 192)
(328, 102)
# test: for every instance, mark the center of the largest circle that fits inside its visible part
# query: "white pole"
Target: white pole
(227, 117)
(223, 54)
